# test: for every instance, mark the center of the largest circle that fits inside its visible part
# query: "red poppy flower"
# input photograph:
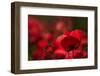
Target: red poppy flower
(34, 29)
(57, 42)
(69, 43)
(42, 44)
(80, 36)
(74, 40)
(39, 55)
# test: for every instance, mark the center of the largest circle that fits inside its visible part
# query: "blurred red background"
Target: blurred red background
(57, 37)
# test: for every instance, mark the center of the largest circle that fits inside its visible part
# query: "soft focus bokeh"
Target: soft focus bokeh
(57, 37)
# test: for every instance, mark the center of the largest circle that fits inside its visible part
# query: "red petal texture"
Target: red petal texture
(60, 53)
(70, 43)
(80, 36)
(57, 42)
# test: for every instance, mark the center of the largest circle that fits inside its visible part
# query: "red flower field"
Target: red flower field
(57, 38)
